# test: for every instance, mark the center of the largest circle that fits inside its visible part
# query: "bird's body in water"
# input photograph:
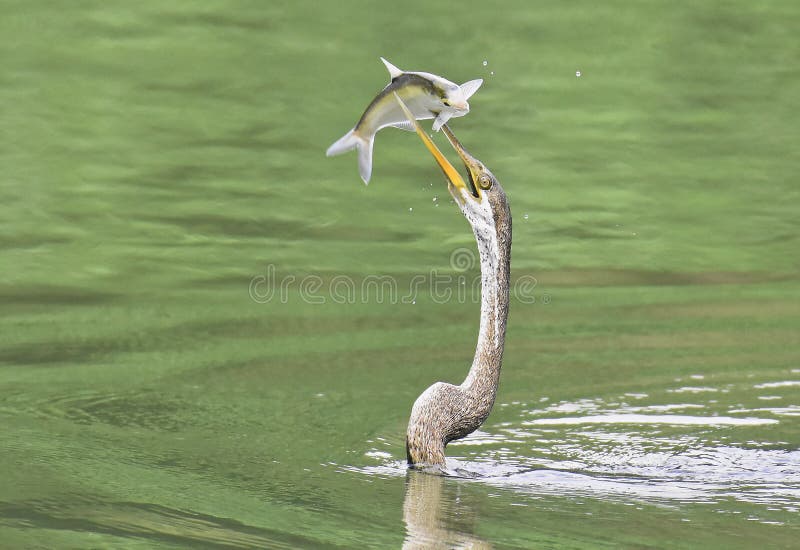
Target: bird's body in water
(445, 412)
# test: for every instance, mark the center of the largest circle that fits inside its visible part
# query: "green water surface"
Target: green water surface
(211, 335)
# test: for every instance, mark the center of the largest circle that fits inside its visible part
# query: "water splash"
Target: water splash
(650, 452)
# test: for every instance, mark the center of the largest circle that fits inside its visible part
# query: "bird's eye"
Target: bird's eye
(485, 182)
(446, 102)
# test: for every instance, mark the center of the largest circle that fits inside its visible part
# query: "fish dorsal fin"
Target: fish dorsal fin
(404, 125)
(394, 72)
(469, 88)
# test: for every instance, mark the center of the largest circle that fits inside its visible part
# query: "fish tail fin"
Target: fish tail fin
(342, 145)
(351, 140)
(365, 158)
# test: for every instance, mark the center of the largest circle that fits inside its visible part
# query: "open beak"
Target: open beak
(459, 188)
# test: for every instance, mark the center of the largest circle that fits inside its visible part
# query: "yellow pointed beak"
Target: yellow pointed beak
(452, 175)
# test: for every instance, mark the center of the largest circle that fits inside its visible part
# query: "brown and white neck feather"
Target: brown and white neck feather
(445, 412)
(494, 259)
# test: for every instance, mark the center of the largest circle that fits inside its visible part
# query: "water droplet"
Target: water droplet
(485, 62)
(410, 209)
(414, 302)
(435, 198)
(578, 74)
(525, 216)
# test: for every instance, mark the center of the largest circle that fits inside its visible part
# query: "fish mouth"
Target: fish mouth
(460, 189)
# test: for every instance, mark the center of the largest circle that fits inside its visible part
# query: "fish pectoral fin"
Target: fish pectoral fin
(394, 72)
(441, 120)
(469, 88)
(404, 125)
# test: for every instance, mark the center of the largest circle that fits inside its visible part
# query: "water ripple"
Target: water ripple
(648, 452)
(671, 419)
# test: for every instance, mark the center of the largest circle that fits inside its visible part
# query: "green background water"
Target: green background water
(163, 165)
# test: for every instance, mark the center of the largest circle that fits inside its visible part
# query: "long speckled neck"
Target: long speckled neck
(445, 412)
(494, 248)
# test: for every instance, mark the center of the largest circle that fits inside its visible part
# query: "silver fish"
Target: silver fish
(425, 94)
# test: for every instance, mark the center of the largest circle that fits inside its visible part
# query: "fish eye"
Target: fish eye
(485, 182)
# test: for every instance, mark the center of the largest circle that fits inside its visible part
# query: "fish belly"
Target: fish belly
(388, 112)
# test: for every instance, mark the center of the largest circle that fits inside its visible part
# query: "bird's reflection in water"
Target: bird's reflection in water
(438, 514)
